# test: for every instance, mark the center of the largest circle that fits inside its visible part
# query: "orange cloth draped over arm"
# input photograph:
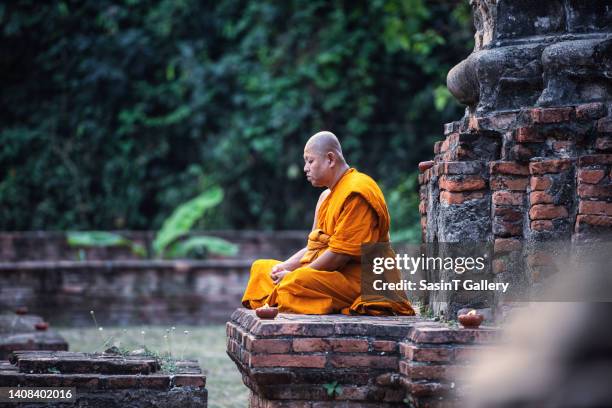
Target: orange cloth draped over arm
(353, 213)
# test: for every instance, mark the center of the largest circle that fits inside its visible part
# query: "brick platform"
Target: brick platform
(106, 380)
(18, 332)
(376, 361)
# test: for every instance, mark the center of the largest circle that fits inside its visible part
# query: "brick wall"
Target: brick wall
(376, 361)
(52, 246)
(39, 270)
(106, 380)
(519, 178)
(125, 292)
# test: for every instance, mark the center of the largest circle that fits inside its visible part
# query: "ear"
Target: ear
(331, 158)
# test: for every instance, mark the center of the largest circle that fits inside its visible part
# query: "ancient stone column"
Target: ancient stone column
(531, 159)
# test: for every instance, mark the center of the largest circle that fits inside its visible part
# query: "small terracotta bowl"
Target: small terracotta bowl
(266, 312)
(471, 321)
(21, 310)
(42, 326)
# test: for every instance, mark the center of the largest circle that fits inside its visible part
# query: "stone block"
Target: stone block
(462, 183)
(351, 361)
(450, 198)
(270, 346)
(595, 191)
(426, 354)
(508, 167)
(590, 111)
(540, 197)
(547, 212)
(594, 160)
(549, 166)
(508, 198)
(595, 207)
(540, 183)
(590, 176)
(551, 115)
(542, 225)
(462, 167)
(593, 222)
(385, 346)
(528, 135)
(509, 183)
(287, 360)
(507, 245)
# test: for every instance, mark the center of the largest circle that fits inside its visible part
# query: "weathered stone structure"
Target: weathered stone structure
(63, 283)
(106, 380)
(351, 361)
(27, 332)
(530, 161)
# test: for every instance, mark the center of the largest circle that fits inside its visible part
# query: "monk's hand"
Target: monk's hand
(278, 275)
(278, 267)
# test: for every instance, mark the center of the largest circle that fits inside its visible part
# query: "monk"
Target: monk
(325, 276)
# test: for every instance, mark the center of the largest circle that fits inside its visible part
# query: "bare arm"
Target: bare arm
(293, 262)
(330, 261)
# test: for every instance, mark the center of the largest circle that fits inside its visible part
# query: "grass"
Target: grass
(203, 343)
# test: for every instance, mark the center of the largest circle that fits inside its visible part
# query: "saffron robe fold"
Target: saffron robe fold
(354, 212)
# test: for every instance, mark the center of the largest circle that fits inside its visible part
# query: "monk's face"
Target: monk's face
(318, 168)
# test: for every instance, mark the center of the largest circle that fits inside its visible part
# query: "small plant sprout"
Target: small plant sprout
(333, 388)
(167, 344)
(186, 333)
(169, 333)
(93, 316)
(100, 328)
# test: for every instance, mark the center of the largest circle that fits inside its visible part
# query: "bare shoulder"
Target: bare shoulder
(323, 195)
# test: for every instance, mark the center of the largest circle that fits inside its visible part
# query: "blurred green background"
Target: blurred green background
(115, 112)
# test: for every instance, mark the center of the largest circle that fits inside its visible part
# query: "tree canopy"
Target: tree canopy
(115, 112)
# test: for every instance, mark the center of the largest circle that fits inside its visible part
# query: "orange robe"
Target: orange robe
(354, 212)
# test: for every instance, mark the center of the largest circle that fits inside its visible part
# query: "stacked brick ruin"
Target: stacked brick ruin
(543, 172)
(530, 161)
(358, 362)
(105, 381)
(27, 332)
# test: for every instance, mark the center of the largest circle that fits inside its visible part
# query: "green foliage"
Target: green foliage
(403, 203)
(166, 242)
(102, 239)
(333, 388)
(116, 111)
(95, 238)
(192, 245)
(182, 221)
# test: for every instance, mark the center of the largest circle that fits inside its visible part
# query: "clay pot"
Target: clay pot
(424, 165)
(21, 310)
(42, 326)
(266, 312)
(471, 321)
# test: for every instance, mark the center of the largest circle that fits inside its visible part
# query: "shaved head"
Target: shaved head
(324, 163)
(324, 142)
